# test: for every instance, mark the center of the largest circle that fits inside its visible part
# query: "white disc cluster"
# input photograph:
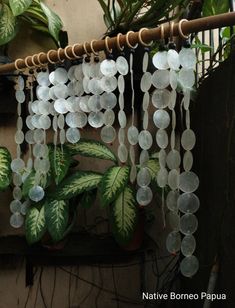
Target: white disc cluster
(177, 70)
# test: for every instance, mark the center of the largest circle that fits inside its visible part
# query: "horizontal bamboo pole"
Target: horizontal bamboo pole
(196, 25)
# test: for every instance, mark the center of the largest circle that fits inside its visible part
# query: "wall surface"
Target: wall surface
(84, 21)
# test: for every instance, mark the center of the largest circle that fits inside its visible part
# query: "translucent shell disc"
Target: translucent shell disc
(108, 84)
(43, 79)
(173, 242)
(162, 177)
(188, 139)
(173, 79)
(122, 65)
(188, 245)
(96, 119)
(132, 135)
(174, 220)
(162, 138)
(187, 58)
(143, 177)
(108, 68)
(187, 78)
(70, 72)
(121, 84)
(108, 134)
(188, 224)
(121, 135)
(61, 91)
(160, 60)
(189, 266)
(161, 119)
(171, 200)
(84, 104)
(44, 107)
(42, 93)
(173, 59)
(188, 181)
(108, 100)
(20, 96)
(19, 137)
(36, 193)
(173, 179)
(94, 103)
(146, 82)
(122, 153)
(109, 117)
(144, 195)
(145, 140)
(94, 86)
(146, 99)
(188, 161)
(73, 135)
(144, 157)
(16, 220)
(188, 203)
(60, 75)
(60, 106)
(78, 119)
(15, 206)
(24, 207)
(17, 165)
(173, 159)
(161, 79)
(122, 118)
(161, 98)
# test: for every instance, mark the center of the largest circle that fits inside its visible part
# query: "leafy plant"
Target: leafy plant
(214, 7)
(33, 13)
(5, 168)
(125, 15)
(70, 188)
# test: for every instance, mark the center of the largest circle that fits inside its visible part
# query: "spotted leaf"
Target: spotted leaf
(60, 161)
(35, 224)
(5, 168)
(8, 25)
(124, 216)
(113, 182)
(19, 6)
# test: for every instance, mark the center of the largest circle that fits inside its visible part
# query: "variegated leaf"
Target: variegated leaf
(113, 182)
(5, 168)
(19, 6)
(8, 25)
(91, 148)
(56, 215)
(54, 22)
(31, 181)
(88, 199)
(35, 224)
(153, 167)
(60, 161)
(124, 216)
(78, 183)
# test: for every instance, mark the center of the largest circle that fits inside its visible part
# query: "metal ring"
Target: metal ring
(58, 55)
(48, 56)
(85, 49)
(180, 29)
(65, 52)
(73, 51)
(92, 48)
(162, 32)
(26, 62)
(128, 42)
(118, 42)
(171, 30)
(140, 38)
(38, 58)
(16, 64)
(107, 44)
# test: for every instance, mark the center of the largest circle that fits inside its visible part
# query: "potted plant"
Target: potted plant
(68, 188)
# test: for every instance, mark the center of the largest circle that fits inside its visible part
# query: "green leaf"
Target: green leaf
(57, 216)
(60, 161)
(54, 22)
(214, 7)
(124, 216)
(88, 199)
(78, 183)
(19, 6)
(35, 224)
(153, 167)
(113, 182)
(203, 47)
(91, 148)
(8, 25)
(5, 168)
(31, 181)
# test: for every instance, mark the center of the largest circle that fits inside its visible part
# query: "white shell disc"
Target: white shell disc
(160, 60)
(189, 266)
(144, 195)
(188, 181)
(122, 65)
(161, 119)
(108, 84)
(161, 98)
(161, 79)
(188, 224)
(73, 135)
(60, 75)
(188, 245)
(145, 140)
(132, 135)
(94, 103)
(187, 78)
(96, 119)
(108, 67)
(188, 203)
(122, 153)
(36, 193)
(173, 59)
(60, 106)
(108, 134)
(187, 58)
(16, 220)
(173, 242)
(108, 100)
(146, 82)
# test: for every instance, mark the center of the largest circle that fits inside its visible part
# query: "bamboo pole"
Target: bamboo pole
(196, 25)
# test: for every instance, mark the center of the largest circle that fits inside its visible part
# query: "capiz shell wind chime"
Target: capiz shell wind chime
(87, 93)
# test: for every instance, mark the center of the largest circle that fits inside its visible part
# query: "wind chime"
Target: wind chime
(67, 100)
